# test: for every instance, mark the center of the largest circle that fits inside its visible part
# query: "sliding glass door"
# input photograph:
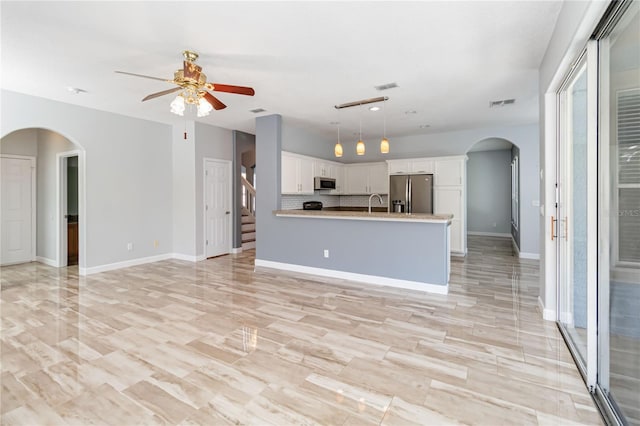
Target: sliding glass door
(570, 222)
(619, 216)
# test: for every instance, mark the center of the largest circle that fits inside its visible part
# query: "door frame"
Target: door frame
(34, 199)
(61, 202)
(232, 209)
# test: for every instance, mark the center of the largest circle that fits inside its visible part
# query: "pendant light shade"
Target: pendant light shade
(360, 144)
(384, 146)
(384, 143)
(337, 150)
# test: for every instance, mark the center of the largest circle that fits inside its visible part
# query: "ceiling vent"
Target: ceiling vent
(257, 110)
(501, 103)
(386, 86)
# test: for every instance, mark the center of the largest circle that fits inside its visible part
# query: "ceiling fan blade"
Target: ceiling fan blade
(144, 76)
(158, 94)
(240, 90)
(215, 102)
(191, 70)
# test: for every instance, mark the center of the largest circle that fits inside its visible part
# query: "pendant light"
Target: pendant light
(360, 144)
(337, 150)
(384, 143)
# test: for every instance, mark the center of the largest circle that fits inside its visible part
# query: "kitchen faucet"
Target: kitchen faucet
(370, 197)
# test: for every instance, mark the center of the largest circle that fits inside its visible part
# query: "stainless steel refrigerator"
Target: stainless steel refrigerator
(411, 193)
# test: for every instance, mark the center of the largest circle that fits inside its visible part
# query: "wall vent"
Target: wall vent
(257, 110)
(386, 86)
(501, 103)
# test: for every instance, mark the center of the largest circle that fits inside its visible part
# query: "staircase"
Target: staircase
(248, 215)
(248, 230)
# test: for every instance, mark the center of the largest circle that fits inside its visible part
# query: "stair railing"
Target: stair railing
(248, 196)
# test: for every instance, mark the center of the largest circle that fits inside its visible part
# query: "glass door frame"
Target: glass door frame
(588, 57)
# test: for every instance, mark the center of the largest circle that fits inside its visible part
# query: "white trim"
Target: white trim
(375, 216)
(61, 196)
(490, 234)
(125, 264)
(592, 213)
(458, 253)
(47, 261)
(369, 279)
(515, 246)
(34, 200)
(188, 257)
(547, 314)
(525, 255)
(236, 250)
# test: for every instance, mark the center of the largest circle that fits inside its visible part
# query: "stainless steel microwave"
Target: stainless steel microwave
(324, 183)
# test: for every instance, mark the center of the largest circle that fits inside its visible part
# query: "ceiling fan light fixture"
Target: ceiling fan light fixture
(204, 107)
(178, 106)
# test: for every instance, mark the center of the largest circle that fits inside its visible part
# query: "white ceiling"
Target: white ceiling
(448, 58)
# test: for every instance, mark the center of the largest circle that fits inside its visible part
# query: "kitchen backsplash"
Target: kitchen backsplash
(293, 202)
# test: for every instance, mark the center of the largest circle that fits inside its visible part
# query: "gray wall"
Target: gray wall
(210, 142)
(128, 178)
(489, 191)
(355, 246)
(184, 189)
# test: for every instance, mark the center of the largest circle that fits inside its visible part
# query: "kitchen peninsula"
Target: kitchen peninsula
(409, 251)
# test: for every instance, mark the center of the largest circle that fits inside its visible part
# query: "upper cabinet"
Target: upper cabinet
(366, 178)
(296, 174)
(450, 171)
(414, 165)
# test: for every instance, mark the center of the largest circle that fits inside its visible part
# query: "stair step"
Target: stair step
(248, 245)
(248, 236)
(248, 219)
(248, 227)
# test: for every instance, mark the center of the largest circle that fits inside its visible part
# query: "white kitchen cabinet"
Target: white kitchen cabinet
(340, 179)
(421, 165)
(367, 178)
(324, 169)
(448, 200)
(296, 174)
(398, 167)
(450, 171)
(449, 196)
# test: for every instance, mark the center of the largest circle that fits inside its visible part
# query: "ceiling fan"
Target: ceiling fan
(192, 83)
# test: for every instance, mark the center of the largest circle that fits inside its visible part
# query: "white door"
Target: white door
(217, 207)
(17, 210)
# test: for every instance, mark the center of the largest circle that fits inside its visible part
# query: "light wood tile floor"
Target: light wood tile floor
(216, 343)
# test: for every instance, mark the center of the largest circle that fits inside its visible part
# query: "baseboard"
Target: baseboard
(47, 261)
(369, 279)
(236, 250)
(547, 314)
(490, 234)
(188, 257)
(458, 254)
(124, 264)
(534, 256)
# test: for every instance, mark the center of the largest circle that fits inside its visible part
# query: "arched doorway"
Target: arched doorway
(58, 193)
(493, 189)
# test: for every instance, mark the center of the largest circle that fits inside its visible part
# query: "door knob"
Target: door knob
(227, 212)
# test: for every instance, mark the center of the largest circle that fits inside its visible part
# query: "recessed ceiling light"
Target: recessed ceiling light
(424, 126)
(257, 110)
(374, 108)
(76, 90)
(411, 111)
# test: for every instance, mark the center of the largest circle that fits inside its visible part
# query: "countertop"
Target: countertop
(364, 215)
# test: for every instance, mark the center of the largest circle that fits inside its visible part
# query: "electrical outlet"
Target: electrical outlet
(130, 246)
(156, 243)
(326, 253)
